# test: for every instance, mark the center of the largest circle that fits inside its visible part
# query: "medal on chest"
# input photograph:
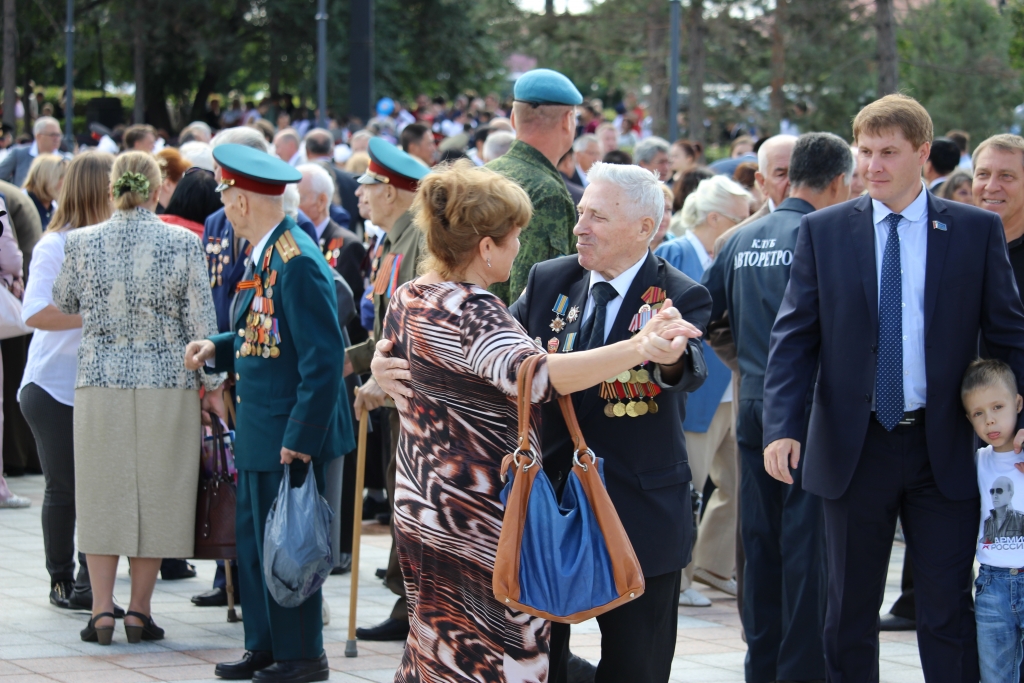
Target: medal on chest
(631, 393)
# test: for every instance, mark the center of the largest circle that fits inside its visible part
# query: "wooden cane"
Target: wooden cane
(351, 650)
(232, 614)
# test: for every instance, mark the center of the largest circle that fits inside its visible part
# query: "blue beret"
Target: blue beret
(390, 165)
(250, 169)
(544, 86)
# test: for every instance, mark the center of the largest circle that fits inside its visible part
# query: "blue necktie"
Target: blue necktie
(889, 374)
(592, 333)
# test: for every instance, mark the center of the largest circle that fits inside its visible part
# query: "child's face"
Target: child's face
(992, 411)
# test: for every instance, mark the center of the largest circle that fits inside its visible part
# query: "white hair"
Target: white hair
(42, 122)
(762, 152)
(290, 200)
(198, 154)
(584, 141)
(319, 179)
(497, 144)
(242, 135)
(642, 188)
(718, 194)
(648, 148)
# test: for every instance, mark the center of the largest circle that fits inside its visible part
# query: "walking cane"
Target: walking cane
(357, 528)
(232, 614)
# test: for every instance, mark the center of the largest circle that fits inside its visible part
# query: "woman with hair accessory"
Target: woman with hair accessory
(141, 288)
(47, 392)
(465, 350)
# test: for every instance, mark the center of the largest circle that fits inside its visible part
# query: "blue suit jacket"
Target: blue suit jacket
(702, 404)
(829, 320)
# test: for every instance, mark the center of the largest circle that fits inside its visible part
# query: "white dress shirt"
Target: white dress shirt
(584, 180)
(257, 251)
(621, 285)
(705, 261)
(52, 363)
(913, 232)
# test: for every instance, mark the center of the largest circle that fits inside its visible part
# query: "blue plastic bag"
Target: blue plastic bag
(297, 543)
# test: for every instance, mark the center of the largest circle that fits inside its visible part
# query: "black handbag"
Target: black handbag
(215, 504)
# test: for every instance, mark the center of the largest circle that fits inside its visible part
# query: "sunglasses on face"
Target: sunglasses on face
(998, 491)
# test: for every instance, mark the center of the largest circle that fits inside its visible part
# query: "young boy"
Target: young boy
(989, 394)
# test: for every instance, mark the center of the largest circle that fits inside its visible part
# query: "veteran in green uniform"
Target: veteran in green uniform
(544, 116)
(387, 189)
(285, 353)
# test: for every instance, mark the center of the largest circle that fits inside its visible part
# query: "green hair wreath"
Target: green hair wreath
(132, 182)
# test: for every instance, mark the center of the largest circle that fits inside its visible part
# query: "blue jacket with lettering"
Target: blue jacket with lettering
(748, 279)
(701, 404)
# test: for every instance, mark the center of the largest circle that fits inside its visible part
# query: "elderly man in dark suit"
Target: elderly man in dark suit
(15, 165)
(580, 302)
(887, 298)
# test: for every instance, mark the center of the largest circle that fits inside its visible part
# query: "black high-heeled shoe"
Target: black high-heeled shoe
(148, 631)
(98, 634)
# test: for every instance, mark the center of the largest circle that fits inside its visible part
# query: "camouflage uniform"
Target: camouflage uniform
(549, 233)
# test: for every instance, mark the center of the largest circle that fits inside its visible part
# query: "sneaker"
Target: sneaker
(691, 597)
(14, 501)
(727, 586)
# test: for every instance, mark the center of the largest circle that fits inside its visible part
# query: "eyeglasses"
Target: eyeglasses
(49, 135)
(994, 492)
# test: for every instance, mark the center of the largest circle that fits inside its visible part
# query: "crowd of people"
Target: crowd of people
(792, 334)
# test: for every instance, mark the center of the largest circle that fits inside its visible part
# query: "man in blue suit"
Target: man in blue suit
(717, 205)
(887, 299)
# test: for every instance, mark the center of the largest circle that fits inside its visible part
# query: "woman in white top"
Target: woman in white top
(47, 392)
(10, 277)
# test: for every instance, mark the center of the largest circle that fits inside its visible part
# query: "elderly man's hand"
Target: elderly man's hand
(288, 455)
(369, 397)
(663, 339)
(391, 374)
(781, 456)
(198, 352)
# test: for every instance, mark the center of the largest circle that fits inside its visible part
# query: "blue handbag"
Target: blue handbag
(563, 561)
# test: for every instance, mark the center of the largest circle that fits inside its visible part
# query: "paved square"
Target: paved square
(40, 643)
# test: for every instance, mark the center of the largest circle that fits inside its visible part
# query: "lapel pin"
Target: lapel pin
(938, 226)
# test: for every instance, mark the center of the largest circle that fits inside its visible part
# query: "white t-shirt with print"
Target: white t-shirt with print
(1001, 531)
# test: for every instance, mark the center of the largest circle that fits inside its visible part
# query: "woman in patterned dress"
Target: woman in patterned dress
(465, 349)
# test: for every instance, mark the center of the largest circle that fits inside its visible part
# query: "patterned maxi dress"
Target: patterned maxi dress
(464, 350)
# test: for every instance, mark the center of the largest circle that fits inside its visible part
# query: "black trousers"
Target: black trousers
(52, 425)
(894, 477)
(784, 579)
(638, 639)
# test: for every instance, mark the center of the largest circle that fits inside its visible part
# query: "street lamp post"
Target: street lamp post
(69, 77)
(673, 92)
(321, 58)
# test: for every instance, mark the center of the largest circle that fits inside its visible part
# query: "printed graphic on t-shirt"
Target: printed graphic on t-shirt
(1001, 533)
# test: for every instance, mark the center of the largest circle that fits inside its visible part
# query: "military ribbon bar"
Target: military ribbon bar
(561, 304)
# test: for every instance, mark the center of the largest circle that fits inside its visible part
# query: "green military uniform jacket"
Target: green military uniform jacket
(405, 240)
(549, 234)
(296, 398)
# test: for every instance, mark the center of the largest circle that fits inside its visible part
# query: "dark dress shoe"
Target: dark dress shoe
(891, 622)
(372, 508)
(60, 594)
(389, 629)
(218, 597)
(344, 564)
(82, 600)
(246, 667)
(580, 670)
(172, 570)
(295, 671)
(381, 573)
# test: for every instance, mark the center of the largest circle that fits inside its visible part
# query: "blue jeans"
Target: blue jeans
(999, 612)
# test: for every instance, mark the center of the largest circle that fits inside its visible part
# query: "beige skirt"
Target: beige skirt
(136, 471)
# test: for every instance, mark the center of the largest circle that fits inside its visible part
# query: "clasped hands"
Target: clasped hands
(662, 340)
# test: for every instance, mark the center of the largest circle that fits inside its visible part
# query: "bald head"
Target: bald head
(773, 167)
(286, 144)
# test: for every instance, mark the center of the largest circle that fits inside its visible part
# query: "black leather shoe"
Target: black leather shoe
(295, 671)
(172, 570)
(246, 667)
(344, 565)
(372, 508)
(389, 629)
(60, 594)
(580, 670)
(82, 600)
(218, 597)
(381, 573)
(891, 622)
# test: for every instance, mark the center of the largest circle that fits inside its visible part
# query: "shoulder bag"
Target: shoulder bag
(215, 504)
(568, 561)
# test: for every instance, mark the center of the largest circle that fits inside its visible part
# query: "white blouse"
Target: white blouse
(52, 356)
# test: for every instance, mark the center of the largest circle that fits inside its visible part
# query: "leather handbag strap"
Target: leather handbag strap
(524, 398)
(569, 413)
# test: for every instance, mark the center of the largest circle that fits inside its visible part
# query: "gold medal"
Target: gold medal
(274, 352)
(241, 333)
(268, 322)
(266, 352)
(612, 380)
(619, 410)
(652, 406)
(609, 410)
(642, 376)
(623, 376)
(631, 409)
(640, 408)
(558, 324)
(632, 377)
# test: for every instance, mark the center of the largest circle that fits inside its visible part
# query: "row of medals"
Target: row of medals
(637, 405)
(260, 337)
(217, 260)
